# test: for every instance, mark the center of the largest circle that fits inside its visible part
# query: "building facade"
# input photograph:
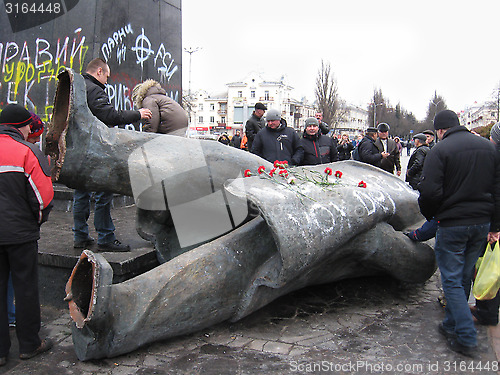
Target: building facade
(229, 111)
(478, 115)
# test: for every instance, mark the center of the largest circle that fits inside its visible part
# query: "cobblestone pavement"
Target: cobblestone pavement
(365, 326)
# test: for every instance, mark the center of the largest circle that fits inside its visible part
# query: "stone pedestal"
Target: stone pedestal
(57, 257)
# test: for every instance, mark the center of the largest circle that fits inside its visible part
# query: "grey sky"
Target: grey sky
(406, 48)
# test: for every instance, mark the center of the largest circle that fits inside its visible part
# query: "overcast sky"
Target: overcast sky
(406, 48)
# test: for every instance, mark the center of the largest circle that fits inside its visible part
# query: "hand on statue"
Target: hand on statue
(145, 113)
(398, 173)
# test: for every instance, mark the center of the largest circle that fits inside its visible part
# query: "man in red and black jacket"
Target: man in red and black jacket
(318, 148)
(25, 201)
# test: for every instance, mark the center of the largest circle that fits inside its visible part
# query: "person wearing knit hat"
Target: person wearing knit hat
(318, 148)
(460, 177)
(495, 133)
(36, 129)
(26, 195)
(16, 116)
(446, 119)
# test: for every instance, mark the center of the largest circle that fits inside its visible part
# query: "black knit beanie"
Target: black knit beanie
(446, 119)
(15, 115)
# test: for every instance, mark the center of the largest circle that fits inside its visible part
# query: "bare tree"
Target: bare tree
(327, 97)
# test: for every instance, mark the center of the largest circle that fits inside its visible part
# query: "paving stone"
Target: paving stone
(306, 336)
(277, 347)
(239, 342)
(316, 340)
(124, 370)
(298, 351)
(155, 361)
(256, 344)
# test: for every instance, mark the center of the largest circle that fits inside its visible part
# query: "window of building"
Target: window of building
(240, 94)
(200, 119)
(212, 107)
(238, 115)
(223, 120)
(266, 95)
(252, 94)
(201, 106)
(212, 119)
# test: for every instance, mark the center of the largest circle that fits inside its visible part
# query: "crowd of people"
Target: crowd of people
(457, 178)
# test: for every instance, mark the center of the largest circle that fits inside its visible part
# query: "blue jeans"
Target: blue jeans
(102, 216)
(11, 308)
(457, 249)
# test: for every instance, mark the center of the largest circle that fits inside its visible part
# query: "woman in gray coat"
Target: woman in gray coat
(168, 116)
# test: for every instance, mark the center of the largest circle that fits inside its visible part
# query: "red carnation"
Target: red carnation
(276, 163)
(284, 173)
(328, 171)
(362, 184)
(261, 169)
(272, 172)
(247, 173)
(338, 174)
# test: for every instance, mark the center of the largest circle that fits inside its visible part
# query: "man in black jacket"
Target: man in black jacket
(416, 162)
(255, 123)
(318, 148)
(278, 142)
(385, 144)
(96, 77)
(368, 151)
(460, 188)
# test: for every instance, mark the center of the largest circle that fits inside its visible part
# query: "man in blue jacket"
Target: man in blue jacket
(277, 141)
(460, 188)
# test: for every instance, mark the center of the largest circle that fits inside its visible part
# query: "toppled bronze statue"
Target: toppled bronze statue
(267, 238)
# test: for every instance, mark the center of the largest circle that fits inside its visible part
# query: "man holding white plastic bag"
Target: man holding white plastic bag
(486, 311)
(460, 187)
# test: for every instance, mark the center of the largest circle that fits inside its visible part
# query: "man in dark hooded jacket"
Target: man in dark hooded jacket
(277, 141)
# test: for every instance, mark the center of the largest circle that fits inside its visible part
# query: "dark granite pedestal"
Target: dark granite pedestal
(57, 257)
